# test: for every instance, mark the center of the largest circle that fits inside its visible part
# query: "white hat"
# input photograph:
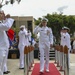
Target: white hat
(65, 28)
(22, 26)
(45, 19)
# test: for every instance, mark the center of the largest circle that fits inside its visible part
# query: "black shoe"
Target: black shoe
(21, 68)
(6, 72)
(41, 73)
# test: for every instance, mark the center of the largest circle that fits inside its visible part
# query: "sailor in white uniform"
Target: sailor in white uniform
(65, 40)
(22, 43)
(45, 42)
(4, 42)
(5, 65)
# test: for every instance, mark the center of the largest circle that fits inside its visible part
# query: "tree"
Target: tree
(6, 2)
(57, 21)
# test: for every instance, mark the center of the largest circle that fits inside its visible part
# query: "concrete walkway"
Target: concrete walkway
(13, 66)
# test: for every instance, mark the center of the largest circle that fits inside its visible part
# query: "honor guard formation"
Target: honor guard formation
(26, 46)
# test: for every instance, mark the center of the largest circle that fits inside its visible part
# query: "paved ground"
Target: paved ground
(13, 66)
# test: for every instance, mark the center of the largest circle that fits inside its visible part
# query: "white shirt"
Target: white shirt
(45, 34)
(23, 38)
(65, 40)
(4, 42)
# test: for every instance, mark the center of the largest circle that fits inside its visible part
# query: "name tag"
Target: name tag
(42, 30)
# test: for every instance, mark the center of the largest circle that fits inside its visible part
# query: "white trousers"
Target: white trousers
(5, 63)
(21, 50)
(44, 49)
(2, 60)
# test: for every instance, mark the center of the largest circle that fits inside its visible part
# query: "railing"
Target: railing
(28, 59)
(62, 58)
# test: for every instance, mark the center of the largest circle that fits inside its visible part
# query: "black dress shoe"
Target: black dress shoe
(21, 68)
(6, 72)
(41, 73)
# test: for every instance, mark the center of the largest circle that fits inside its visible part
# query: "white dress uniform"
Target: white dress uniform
(5, 65)
(65, 40)
(4, 42)
(27, 38)
(22, 44)
(45, 39)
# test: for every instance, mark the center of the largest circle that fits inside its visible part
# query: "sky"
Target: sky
(39, 8)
